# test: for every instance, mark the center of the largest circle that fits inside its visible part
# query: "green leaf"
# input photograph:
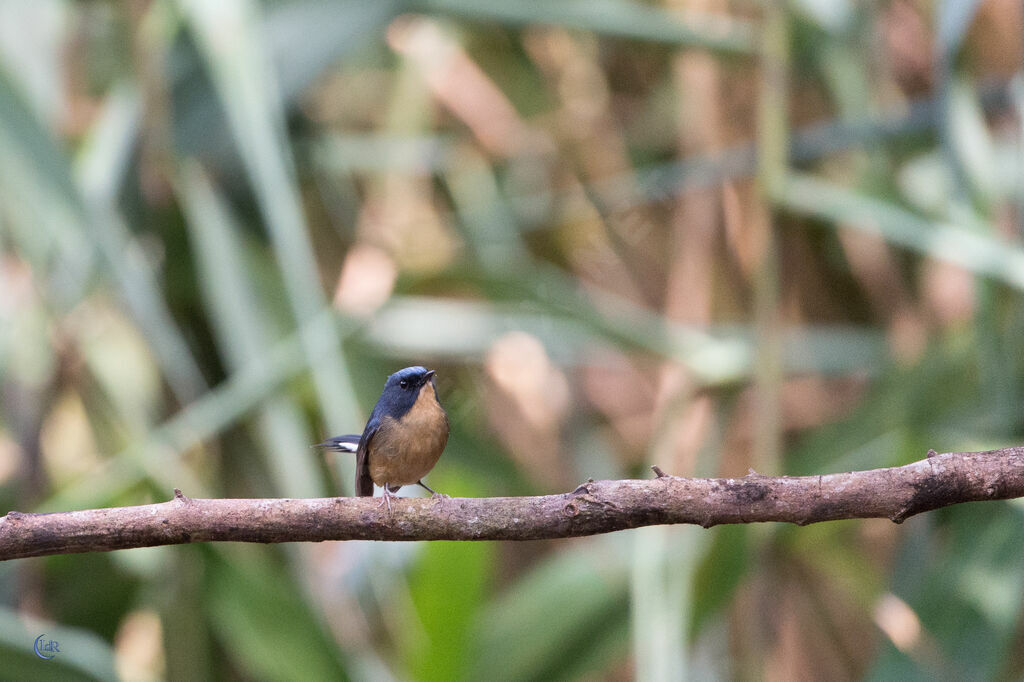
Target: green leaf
(606, 17)
(565, 617)
(230, 40)
(261, 616)
(973, 248)
(447, 586)
(241, 327)
(962, 572)
(720, 572)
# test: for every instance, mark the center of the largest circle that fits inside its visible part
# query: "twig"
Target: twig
(594, 507)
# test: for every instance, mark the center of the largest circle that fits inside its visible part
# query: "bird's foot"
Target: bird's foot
(385, 500)
(434, 495)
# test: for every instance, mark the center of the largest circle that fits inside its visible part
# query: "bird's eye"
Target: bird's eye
(403, 383)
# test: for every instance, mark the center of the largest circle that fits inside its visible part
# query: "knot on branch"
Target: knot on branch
(583, 488)
(934, 491)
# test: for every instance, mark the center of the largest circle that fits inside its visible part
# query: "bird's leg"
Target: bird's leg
(440, 497)
(385, 499)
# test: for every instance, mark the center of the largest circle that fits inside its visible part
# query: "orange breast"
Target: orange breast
(404, 450)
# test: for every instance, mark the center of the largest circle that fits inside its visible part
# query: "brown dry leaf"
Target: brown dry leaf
(527, 403)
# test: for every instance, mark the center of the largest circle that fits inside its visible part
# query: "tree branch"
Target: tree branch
(595, 507)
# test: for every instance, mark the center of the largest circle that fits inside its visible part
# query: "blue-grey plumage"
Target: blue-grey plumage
(404, 437)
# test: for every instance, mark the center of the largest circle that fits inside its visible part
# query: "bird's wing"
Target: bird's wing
(364, 484)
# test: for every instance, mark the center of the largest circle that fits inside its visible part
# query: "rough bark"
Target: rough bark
(595, 507)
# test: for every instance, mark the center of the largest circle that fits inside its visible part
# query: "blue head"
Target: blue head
(401, 391)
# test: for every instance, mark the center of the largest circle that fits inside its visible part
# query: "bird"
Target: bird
(403, 439)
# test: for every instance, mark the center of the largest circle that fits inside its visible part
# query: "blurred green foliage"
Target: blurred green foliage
(223, 224)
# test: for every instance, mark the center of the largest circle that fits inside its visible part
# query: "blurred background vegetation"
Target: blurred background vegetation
(706, 235)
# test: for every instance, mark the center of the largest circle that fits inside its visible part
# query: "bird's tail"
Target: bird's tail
(346, 443)
(350, 443)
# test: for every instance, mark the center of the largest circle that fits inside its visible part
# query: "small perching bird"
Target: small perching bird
(404, 437)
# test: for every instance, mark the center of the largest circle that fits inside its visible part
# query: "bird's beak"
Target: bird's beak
(429, 375)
